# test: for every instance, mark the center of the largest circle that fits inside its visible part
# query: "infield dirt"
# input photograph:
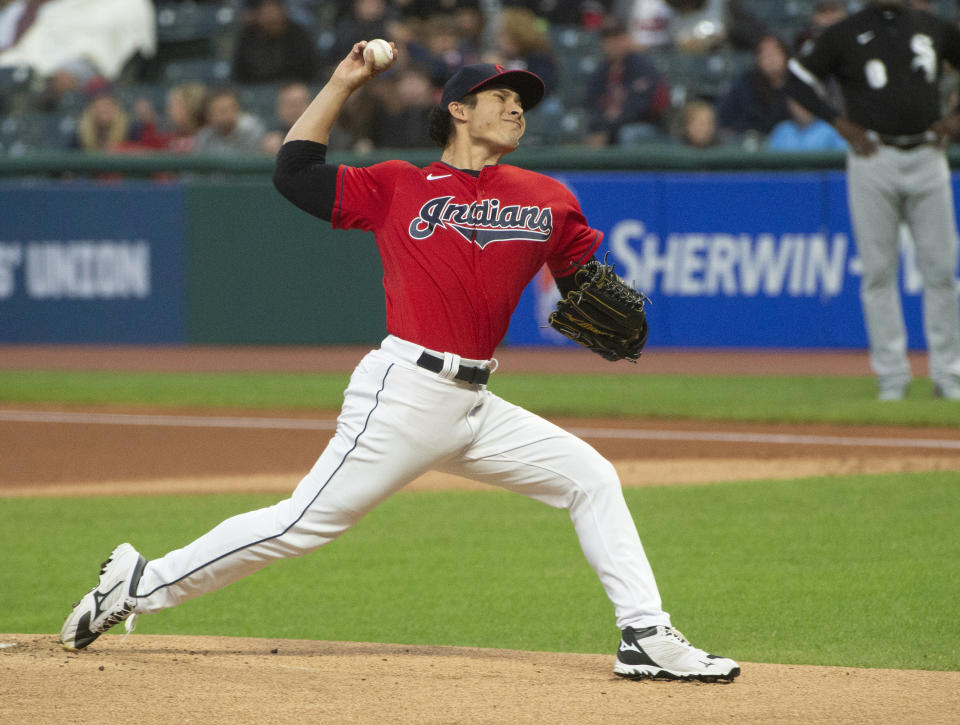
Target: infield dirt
(227, 680)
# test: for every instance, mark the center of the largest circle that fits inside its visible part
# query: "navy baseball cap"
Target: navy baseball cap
(472, 78)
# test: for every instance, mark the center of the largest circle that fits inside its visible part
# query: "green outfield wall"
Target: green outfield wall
(261, 271)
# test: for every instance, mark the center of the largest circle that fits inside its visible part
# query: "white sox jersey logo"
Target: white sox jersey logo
(483, 222)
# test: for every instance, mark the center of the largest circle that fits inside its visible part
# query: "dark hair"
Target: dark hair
(440, 122)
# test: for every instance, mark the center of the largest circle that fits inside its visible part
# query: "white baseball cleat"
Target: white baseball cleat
(662, 653)
(112, 601)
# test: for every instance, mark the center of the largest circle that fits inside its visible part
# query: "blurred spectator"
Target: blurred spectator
(565, 12)
(756, 101)
(698, 124)
(69, 43)
(804, 132)
(647, 20)
(423, 9)
(691, 25)
(228, 128)
(176, 131)
(470, 26)
(524, 44)
(436, 45)
(627, 96)
(699, 25)
(365, 20)
(292, 101)
(402, 116)
(825, 13)
(104, 125)
(271, 47)
(353, 126)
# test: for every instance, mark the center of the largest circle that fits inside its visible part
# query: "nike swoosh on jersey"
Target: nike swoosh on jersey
(866, 37)
(434, 177)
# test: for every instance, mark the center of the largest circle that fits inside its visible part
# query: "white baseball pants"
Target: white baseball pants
(397, 422)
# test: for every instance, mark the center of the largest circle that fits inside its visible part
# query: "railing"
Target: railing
(637, 158)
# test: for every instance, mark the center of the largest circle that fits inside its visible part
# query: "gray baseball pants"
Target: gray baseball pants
(913, 187)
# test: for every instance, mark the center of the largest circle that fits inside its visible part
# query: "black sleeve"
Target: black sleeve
(803, 87)
(305, 179)
(567, 284)
(808, 70)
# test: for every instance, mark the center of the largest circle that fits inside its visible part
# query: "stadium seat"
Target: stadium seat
(706, 75)
(578, 55)
(204, 70)
(14, 86)
(12, 129)
(187, 20)
(259, 99)
(194, 29)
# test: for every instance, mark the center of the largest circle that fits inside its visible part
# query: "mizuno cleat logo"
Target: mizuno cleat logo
(98, 599)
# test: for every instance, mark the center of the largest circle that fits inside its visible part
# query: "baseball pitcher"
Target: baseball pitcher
(459, 240)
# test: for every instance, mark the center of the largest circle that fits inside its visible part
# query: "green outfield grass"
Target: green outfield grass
(853, 571)
(836, 399)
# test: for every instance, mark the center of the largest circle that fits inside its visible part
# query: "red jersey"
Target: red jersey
(458, 249)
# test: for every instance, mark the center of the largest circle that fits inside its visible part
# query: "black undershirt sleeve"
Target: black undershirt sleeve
(567, 284)
(305, 179)
(806, 96)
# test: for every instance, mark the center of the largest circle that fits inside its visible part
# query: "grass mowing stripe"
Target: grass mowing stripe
(774, 399)
(853, 571)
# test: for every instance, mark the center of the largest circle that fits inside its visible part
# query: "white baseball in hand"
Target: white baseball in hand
(379, 53)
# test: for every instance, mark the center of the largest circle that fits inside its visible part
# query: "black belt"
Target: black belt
(907, 142)
(466, 373)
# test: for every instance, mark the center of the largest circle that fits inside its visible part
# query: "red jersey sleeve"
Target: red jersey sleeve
(578, 240)
(364, 195)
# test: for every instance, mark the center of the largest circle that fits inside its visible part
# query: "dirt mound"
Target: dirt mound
(148, 678)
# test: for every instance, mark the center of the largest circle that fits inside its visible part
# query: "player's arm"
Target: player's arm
(567, 284)
(353, 71)
(804, 84)
(302, 174)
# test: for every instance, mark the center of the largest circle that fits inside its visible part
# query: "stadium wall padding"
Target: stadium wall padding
(729, 259)
(261, 271)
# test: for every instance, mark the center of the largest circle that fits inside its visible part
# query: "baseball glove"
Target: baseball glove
(603, 313)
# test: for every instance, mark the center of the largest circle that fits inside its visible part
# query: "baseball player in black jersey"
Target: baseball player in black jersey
(887, 59)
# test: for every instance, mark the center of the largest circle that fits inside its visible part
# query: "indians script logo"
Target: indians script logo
(484, 222)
